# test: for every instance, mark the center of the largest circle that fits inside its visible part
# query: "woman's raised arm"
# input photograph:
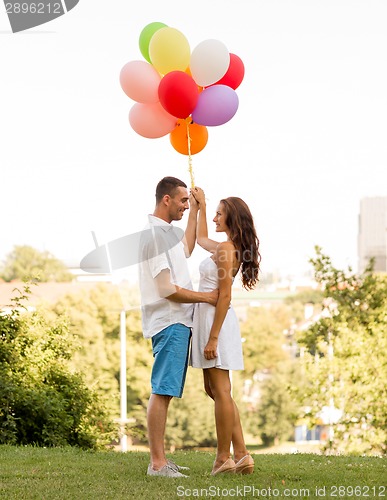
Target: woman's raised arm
(202, 230)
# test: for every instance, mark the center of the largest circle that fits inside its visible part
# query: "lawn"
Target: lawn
(69, 473)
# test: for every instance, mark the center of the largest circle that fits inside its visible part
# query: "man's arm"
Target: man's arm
(168, 290)
(190, 232)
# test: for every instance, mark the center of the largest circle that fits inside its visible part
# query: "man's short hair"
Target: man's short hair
(168, 185)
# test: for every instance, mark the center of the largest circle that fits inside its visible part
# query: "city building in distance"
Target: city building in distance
(372, 236)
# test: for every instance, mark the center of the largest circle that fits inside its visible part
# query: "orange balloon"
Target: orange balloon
(197, 133)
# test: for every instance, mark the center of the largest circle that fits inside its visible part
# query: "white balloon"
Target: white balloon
(209, 62)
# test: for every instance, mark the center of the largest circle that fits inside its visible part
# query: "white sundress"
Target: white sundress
(230, 355)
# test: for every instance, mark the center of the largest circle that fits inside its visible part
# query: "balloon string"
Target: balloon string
(190, 157)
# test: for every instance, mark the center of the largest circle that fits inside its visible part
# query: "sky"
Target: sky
(307, 143)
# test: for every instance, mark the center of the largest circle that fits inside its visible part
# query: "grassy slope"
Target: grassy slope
(39, 473)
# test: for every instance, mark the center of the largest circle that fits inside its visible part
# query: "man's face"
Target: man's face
(178, 203)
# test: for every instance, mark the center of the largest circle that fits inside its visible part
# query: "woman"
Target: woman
(216, 340)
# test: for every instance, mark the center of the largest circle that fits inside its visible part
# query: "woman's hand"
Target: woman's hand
(211, 348)
(198, 193)
(193, 202)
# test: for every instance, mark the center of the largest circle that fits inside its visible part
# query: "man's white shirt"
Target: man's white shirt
(158, 252)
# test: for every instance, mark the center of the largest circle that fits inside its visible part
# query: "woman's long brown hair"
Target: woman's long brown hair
(244, 237)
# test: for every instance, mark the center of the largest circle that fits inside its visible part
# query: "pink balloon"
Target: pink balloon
(140, 81)
(216, 105)
(151, 120)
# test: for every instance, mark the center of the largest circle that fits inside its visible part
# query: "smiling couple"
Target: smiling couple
(173, 313)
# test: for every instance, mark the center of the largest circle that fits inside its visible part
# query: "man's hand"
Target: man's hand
(213, 297)
(198, 194)
(193, 203)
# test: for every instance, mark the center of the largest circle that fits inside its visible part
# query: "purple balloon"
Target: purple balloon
(216, 105)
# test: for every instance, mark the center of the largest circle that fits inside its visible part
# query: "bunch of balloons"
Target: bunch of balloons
(178, 92)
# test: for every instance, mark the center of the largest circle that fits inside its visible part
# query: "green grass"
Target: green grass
(69, 473)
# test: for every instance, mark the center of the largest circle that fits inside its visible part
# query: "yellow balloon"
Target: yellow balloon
(169, 50)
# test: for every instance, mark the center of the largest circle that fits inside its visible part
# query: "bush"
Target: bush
(41, 401)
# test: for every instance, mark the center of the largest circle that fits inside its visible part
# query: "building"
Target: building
(372, 236)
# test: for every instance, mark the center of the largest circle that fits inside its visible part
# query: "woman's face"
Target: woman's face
(220, 219)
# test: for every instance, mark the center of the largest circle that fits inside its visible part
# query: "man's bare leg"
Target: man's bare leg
(157, 419)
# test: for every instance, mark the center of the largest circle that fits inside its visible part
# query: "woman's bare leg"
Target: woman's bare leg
(219, 382)
(237, 439)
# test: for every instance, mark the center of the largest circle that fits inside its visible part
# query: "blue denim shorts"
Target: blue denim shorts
(170, 352)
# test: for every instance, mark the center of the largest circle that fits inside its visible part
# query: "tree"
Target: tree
(27, 262)
(344, 364)
(42, 401)
(277, 409)
(96, 334)
(264, 338)
(270, 412)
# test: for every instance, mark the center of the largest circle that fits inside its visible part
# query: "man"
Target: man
(167, 306)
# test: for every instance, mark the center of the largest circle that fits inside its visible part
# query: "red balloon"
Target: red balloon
(235, 73)
(178, 94)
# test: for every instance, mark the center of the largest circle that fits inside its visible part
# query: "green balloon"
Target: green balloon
(146, 35)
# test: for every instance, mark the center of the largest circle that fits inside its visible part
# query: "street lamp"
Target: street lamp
(123, 382)
(123, 386)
